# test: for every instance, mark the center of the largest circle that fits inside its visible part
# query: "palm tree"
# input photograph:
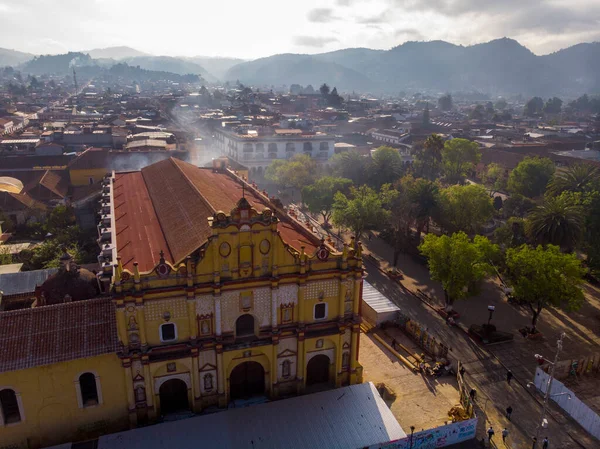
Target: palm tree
(556, 222)
(576, 178)
(424, 195)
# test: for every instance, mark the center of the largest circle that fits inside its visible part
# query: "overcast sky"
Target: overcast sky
(255, 28)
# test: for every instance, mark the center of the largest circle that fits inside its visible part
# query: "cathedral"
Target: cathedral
(207, 295)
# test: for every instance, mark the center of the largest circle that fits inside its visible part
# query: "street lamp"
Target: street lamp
(543, 421)
(491, 310)
(412, 429)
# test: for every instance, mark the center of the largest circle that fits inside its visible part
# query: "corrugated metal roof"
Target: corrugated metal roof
(377, 300)
(24, 281)
(344, 418)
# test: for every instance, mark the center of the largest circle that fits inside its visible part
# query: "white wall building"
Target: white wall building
(256, 151)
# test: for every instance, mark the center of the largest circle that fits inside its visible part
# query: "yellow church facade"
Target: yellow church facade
(218, 297)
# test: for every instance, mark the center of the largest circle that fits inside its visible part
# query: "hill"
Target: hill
(13, 57)
(57, 64)
(115, 53)
(297, 69)
(179, 66)
(501, 66)
(215, 65)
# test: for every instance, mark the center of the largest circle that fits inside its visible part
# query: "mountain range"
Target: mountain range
(501, 66)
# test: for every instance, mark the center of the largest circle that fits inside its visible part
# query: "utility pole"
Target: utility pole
(559, 346)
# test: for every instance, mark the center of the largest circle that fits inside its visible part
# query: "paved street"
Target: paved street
(486, 366)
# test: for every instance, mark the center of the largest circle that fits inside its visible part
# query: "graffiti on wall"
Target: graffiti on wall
(435, 438)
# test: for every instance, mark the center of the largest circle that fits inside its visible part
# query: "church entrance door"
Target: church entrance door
(317, 370)
(247, 380)
(173, 397)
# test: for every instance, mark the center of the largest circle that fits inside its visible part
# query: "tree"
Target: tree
(445, 102)
(533, 107)
(517, 206)
(294, 173)
(362, 209)
(511, 234)
(531, 176)
(458, 262)
(324, 89)
(553, 106)
(335, 99)
(495, 178)
(465, 208)
(501, 104)
(544, 277)
(352, 165)
(477, 113)
(428, 158)
(319, 196)
(581, 177)
(458, 157)
(426, 119)
(424, 195)
(556, 222)
(386, 166)
(489, 108)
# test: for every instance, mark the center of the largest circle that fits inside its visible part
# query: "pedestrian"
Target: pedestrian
(462, 370)
(504, 435)
(509, 411)
(370, 236)
(393, 343)
(509, 376)
(472, 394)
(490, 433)
(545, 443)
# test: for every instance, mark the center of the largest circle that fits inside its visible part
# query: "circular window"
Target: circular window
(224, 249)
(265, 246)
(163, 269)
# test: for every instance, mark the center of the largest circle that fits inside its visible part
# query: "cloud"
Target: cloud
(344, 2)
(321, 15)
(409, 33)
(382, 17)
(314, 41)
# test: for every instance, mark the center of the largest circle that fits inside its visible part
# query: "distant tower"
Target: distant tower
(75, 80)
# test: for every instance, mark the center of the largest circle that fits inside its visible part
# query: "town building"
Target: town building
(208, 294)
(257, 148)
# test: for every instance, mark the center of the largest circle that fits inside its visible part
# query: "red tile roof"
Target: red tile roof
(59, 333)
(139, 235)
(167, 207)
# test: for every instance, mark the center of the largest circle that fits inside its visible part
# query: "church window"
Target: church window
(208, 382)
(287, 313)
(9, 405)
(205, 327)
(88, 389)
(286, 368)
(244, 326)
(168, 332)
(320, 311)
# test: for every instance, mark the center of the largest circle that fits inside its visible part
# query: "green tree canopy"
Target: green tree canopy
(351, 165)
(428, 158)
(581, 177)
(386, 167)
(557, 221)
(458, 157)
(324, 89)
(445, 102)
(531, 176)
(544, 277)
(458, 262)
(533, 107)
(364, 208)
(478, 112)
(465, 208)
(495, 178)
(517, 206)
(553, 106)
(295, 173)
(319, 196)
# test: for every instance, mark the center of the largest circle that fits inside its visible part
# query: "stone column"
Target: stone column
(149, 389)
(192, 322)
(130, 395)
(300, 363)
(274, 301)
(301, 289)
(121, 323)
(141, 319)
(354, 354)
(221, 377)
(342, 297)
(274, 367)
(338, 358)
(217, 315)
(357, 288)
(196, 405)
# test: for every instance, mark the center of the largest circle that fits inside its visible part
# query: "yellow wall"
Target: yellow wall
(50, 406)
(82, 177)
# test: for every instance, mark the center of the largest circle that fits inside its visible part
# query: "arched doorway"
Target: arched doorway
(173, 396)
(317, 370)
(247, 380)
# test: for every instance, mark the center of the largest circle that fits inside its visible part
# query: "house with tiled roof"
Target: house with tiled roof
(20, 207)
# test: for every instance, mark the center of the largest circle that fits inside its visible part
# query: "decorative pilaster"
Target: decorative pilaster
(141, 319)
(300, 365)
(122, 323)
(221, 377)
(342, 297)
(130, 395)
(354, 354)
(301, 288)
(192, 322)
(217, 314)
(196, 404)
(149, 389)
(274, 302)
(338, 357)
